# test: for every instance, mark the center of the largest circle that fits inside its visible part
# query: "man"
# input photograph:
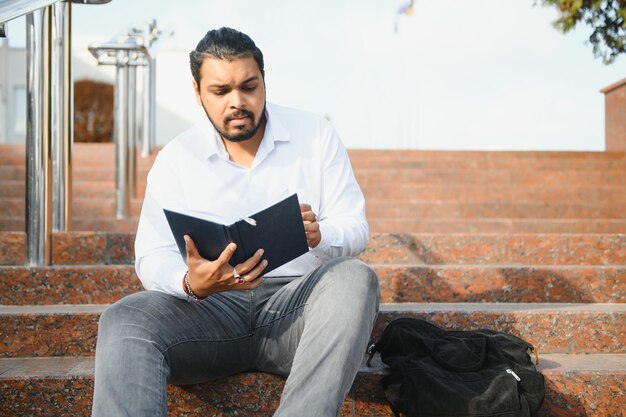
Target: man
(202, 319)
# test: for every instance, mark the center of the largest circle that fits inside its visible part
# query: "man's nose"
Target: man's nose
(237, 100)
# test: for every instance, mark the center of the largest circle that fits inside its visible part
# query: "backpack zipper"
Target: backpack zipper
(374, 347)
(512, 372)
(370, 353)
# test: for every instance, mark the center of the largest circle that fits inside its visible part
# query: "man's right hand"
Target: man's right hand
(209, 277)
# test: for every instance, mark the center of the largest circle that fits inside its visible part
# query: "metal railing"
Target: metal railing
(12, 9)
(133, 53)
(49, 134)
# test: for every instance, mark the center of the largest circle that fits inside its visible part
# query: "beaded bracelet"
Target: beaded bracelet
(188, 290)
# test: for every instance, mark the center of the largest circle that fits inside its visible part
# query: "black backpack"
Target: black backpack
(437, 373)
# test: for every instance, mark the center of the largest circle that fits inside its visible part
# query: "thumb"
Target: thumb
(190, 248)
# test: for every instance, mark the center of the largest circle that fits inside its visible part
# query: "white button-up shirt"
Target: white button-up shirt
(300, 153)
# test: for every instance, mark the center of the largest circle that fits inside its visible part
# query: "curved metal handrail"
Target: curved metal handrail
(12, 9)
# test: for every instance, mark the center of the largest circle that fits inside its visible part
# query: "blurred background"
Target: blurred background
(395, 74)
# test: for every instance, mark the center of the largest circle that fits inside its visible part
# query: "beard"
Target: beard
(243, 133)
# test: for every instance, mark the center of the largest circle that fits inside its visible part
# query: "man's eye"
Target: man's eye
(248, 87)
(219, 92)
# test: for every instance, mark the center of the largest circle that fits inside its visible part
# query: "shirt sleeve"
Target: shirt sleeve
(158, 262)
(341, 216)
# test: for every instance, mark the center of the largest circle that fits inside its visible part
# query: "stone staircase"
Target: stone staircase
(533, 243)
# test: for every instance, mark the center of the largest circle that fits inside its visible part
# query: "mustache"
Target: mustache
(238, 114)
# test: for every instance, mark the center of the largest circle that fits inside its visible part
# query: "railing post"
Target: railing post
(152, 62)
(38, 137)
(62, 113)
(148, 114)
(121, 135)
(153, 35)
(127, 52)
(131, 94)
(145, 111)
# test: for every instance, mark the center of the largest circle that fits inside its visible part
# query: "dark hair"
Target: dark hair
(224, 43)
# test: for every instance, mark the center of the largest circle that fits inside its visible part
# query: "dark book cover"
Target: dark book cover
(278, 229)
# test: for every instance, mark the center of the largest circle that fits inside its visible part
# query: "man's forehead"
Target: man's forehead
(227, 71)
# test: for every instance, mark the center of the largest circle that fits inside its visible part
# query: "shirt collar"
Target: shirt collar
(275, 131)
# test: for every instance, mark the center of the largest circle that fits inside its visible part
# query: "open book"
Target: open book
(278, 230)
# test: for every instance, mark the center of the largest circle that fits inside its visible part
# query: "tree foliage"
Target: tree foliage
(606, 17)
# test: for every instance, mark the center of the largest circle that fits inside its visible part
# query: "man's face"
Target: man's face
(232, 94)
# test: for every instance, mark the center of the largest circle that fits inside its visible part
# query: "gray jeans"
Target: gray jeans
(313, 328)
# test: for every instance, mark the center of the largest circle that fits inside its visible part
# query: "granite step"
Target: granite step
(99, 284)
(576, 385)
(393, 177)
(93, 284)
(497, 162)
(79, 173)
(520, 249)
(105, 248)
(390, 176)
(409, 191)
(80, 189)
(94, 248)
(487, 193)
(502, 284)
(12, 173)
(450, 225)
(71, 329)
(110, 224)
(409, 222)
(390, 225)
(461, 210)
(99, 154)
(486, 159)
(88, 194)
(104, 152)
(402, 183)
(376, 208)
(463, 155)
(81, 207)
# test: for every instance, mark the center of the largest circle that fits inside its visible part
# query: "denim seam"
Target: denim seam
(293, 310)
(251, 309)
(187, 340)
(163, 394)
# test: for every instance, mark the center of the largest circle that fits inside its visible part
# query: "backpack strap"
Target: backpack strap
(391, 386)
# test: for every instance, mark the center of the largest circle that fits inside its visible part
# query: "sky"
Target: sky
(457, 74)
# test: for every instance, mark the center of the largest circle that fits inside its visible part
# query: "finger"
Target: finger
(253, 284)
(305, 207)
(226, 254)
(308, 216)
(311, 227)
(249, 264)
(256, 272)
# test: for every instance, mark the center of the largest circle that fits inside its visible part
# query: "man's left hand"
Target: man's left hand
(311, 226)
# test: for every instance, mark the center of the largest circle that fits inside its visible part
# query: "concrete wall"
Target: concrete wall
(12, 93)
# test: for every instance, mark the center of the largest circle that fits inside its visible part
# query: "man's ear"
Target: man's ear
(196, 90)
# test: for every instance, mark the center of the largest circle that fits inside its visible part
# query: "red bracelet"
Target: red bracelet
(188, 290)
